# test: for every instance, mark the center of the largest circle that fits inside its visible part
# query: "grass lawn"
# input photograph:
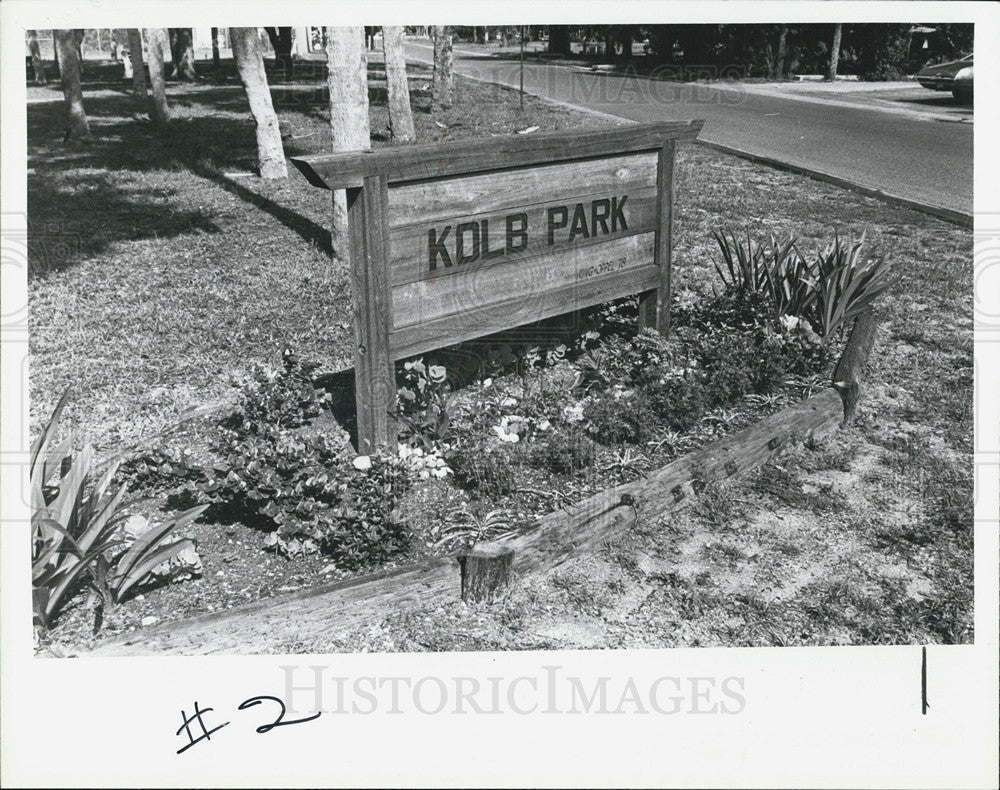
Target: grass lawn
(161, 269)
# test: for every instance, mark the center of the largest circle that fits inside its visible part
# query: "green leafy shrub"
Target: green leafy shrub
(284, 464)
(273, 400)
(565, 452)
(366, 528)
(679, 403)
(159, 469)
(485, 469)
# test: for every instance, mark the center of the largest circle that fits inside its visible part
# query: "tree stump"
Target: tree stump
(847, 376)
(485, 572)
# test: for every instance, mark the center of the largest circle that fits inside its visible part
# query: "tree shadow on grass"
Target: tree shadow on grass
(84, 197)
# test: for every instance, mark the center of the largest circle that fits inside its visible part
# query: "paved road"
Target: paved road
(903, 153)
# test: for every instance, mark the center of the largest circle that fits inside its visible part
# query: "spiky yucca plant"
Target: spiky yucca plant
(75, 535)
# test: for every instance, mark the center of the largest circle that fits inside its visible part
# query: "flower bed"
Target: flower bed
(496, 434)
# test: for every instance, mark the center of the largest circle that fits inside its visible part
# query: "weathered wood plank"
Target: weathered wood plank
(413, 163)
(375, 385)
(458, 327)
(484, 238)
(532, 282)
(427, 201)
(585, 526)
(333, 610)
(847, 376)
(654, 306)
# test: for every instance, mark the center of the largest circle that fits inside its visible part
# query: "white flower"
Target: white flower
(505, 434)
(544, 425)
(507, 402)
(362, 463)
(436, 373)
(573, 413)
(487, 383)
(789, 322)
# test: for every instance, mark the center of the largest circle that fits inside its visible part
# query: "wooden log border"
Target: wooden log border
(367, 177)
(338, 608)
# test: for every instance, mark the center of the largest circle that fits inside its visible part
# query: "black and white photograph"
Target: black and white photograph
(643, 337)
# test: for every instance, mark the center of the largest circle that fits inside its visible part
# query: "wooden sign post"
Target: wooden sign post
(454, 241)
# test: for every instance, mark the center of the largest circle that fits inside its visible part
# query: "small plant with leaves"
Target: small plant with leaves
(485, 469)
(76, 528)
(567, 452)
(273, 400)
(464, 530)
(365, 529)
(424, 405)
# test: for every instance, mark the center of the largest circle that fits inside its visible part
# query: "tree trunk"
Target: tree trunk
(831, 71)
(37, 65)
(347, 64)
(139, 91)
(281, 42)
(77, 127)
(215, 48)
(182, 52)
(779, 60)
(443, 75)
(625, 41)
(559, 40)
(663, 36)
(156, 41)
(400, 115)
(249, 58)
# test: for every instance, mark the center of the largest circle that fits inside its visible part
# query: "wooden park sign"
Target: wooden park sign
(453, 241)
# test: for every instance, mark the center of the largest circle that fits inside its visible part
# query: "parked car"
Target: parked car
(954, 76)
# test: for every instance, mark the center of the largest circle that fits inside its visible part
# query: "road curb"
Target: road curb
(960, 218)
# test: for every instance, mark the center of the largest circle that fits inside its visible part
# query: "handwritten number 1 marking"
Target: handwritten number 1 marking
(923, 681)
(249, 703)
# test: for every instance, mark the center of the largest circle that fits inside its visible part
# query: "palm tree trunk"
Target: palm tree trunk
(831, 71)
(249, 59)
(138, 70)
(400, 115)
(779, 60)
(182, 53)
(77, 126)
(156, 41)
(347, 79)
(215, 48)
(443, 73)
